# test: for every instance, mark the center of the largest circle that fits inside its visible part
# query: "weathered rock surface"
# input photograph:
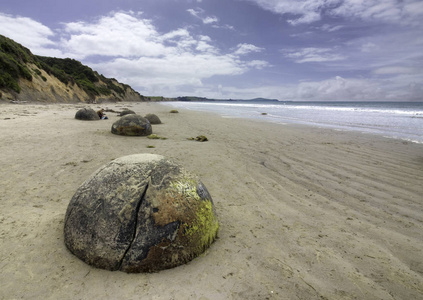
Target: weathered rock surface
(140, 213)
(127, 112)
(133, 125)
(154, 119)
(87, 114)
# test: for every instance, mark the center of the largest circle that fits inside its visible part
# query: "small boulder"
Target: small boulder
(140, 213)
(201, 138)
(127, 112)
(154, 119)
(87, 114)
(132, 125)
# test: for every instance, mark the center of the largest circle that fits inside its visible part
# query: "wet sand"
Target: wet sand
(305, 213)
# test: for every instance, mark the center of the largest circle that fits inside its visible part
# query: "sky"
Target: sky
(301, 50)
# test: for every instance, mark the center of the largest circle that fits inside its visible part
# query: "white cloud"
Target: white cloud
(394, 70)
(339, 88)
(303, 34)
(257, 64)
(29, 33)
(312, 55)
(146, 59)
(310, 17)
(309, 11)
(205, 38)
(391, 11)
(413, 8)
(125, 34)
(203, 46)
(174, 69)
(369, 47)
(392, 48)
(226, 26)
(119, 34)
(170, 36)
(210, 20)
(247, 48)
(369, 9)
(400, 88)
(333, 89)
(331, 28)
(198, 14)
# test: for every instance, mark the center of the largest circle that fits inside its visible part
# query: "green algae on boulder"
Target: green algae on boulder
(156, 137)
(140, 213)
(200, 138)
(132, 125)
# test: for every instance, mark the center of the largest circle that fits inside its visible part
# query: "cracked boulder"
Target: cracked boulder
(87, 114)
(133, 125)
(140, 213)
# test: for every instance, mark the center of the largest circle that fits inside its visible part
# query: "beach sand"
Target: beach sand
(305, 213)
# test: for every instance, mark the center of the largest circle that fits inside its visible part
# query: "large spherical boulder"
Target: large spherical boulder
(127, 112)
(87, 114)
(133, 125)
(140, 213)
(154, 119)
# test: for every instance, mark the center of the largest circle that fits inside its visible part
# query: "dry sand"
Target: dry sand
(305, 213)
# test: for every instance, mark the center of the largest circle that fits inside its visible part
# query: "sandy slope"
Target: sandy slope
(305, 213)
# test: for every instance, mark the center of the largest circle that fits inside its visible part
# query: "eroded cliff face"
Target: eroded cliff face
(45, 88)
(32, 78)
(50, 90)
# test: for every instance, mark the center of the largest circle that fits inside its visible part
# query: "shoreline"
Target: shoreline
(304, 212)
(262, 113)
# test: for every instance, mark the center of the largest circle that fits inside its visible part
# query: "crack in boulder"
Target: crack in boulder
(135, 225)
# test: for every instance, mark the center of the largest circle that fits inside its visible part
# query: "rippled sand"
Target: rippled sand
(305, 213)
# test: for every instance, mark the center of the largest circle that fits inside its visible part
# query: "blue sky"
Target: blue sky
(240, 49)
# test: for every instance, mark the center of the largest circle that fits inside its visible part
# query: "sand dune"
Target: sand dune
(305, 213)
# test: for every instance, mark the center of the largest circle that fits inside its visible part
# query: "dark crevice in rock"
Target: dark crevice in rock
(135, 225)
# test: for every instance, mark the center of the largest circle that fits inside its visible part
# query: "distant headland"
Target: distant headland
(198, 99)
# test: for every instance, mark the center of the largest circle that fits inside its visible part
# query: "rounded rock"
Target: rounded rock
(127, 112)
(154, 119)
(87, 114)
(133, 125)
(140, 213)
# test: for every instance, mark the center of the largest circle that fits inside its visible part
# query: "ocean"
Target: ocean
(399, 120)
